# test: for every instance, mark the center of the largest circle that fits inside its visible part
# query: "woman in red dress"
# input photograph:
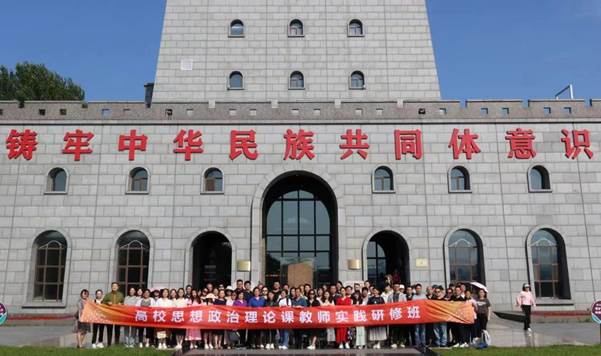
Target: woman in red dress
(342, 333)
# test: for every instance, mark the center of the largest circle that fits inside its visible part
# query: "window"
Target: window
(483, 111)
(505, 111)
(297, 80)
(50, 251)
(465, 257)
(133, 253)
(383, 180)
(295, 29)
(459, 179)
(236, 81)
(57, 181)
(138, 180)
(355, 28)
(376, 261)
(357, 80)
(213, 180)
(539, 179)
(236, 29)
(549, 265)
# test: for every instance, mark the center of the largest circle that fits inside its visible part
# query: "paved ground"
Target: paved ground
(407, 351)
(504, 333)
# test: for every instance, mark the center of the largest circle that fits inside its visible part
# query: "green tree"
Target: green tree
(36, 82)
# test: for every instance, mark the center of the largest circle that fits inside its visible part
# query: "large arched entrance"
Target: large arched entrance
(212, 260)
(387, 253)
(300, 231)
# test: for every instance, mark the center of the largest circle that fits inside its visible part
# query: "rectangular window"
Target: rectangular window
(505, 111)
(484, 111)
(547, 111)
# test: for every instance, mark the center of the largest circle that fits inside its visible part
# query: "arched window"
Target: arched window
(355, 28)
(387, 253)
(236, 28)
(213, 180)
(538, 179)
(383, 181)
(50, 251)
(133, 253)
(459, 180)
(297, 80)
(57, 181)
(296, 28)
(465, 257)
(549, 265)
(236, 81)
(357, 80)
(138, 180)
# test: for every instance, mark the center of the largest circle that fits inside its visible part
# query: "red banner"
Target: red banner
(221, 317)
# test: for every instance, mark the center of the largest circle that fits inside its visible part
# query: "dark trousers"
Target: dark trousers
(256, 337)
(97, 331)
(109, 333)
(481, 323)
(527, 309)
(149, 335)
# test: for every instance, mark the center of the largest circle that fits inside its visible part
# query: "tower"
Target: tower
(351, 50)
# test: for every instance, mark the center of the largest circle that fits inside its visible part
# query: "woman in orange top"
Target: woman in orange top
(342, 338)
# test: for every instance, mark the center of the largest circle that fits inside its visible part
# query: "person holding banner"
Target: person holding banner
(256, 336)
(114, 297)
(396, 331)
(145, 302)
(360, 337)
(284, 301)
(313, 333)
(81, 329)
(270, 334)
(218, 334)
(376, 333)
(130, 332)
(163, 302)
(97, 328)
(342, 333)
(207, 335)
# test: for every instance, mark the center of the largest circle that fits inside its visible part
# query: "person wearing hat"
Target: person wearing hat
(525, 301)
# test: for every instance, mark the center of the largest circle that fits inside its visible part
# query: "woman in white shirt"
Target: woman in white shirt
(163, 302)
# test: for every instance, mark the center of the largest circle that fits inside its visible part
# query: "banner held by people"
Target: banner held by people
(225, 317)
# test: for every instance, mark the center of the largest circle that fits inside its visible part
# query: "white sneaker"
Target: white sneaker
(284, 347)
(100, 345)
(262, 347)
(393, 346)
(402, 346)
(529, 330)
(211, 347)
(341, 346)
(464, 345)
(206, 346)
(93, 346)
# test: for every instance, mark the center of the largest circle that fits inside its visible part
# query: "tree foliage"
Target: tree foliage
(36, 82)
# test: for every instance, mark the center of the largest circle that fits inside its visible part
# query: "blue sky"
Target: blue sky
(484, 49)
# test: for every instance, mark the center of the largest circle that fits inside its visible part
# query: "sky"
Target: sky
(511, 49)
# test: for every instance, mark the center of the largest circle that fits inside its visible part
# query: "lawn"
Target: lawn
(523, 351)
(56, 351)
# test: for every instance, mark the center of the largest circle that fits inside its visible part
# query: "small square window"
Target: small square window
(168, 112)
(233, 112)
(106, 113)
(189, 112)
(567, 110)
(547, 110)
(84, 105)
(316, 112)
(483, 111)
(42, 112)
(505, 111)
(295, 112)
(252, 112)
(1, 112)
(126, 111)
(63, 112)
(421, 111)
(358, 112)
(442, 111)
(379, 112)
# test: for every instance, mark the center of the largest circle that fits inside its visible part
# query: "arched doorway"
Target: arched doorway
(465, 257)
(212, 260)
(387, 253)
(300, 231)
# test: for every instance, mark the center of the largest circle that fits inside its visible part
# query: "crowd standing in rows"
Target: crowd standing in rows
(393, 336)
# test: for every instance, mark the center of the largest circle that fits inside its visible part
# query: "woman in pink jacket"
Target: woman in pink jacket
(525, 300)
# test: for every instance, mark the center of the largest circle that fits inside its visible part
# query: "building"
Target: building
(281, 137)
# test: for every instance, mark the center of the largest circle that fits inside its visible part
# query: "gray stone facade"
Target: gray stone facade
(197, 54)
(500, 209)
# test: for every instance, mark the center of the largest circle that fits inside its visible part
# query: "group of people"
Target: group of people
(278, 295)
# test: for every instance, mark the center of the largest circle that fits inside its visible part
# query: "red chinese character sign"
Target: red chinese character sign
(188, 142)
(299, 145)
(77, 144)
(132, 143)
(521, 144)
(576, 142)
(408, 142)
(464, 143)
(223, 317)
(21, 144)
(354, 142)
(243, 143)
